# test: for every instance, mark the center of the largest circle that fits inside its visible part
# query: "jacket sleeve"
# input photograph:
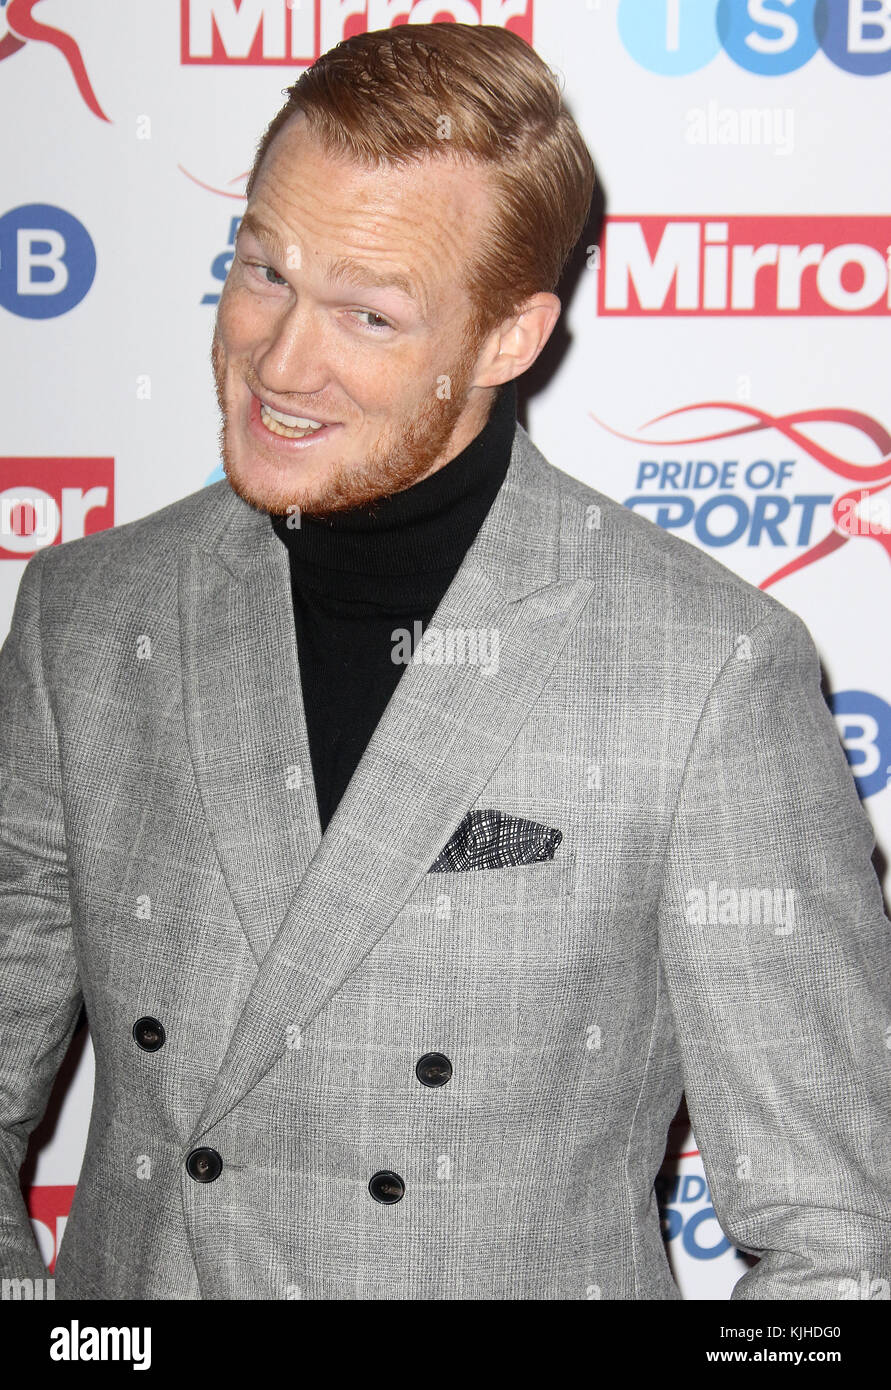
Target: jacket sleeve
(40, 992)
(777, 958)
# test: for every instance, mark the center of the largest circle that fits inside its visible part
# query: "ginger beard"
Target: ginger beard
(402, 455)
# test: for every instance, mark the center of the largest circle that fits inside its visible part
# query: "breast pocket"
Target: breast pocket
(513, 888)
(494, 935)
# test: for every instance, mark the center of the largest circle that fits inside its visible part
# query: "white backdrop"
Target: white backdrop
(740, 302)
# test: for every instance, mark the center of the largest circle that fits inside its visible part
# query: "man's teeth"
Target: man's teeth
(292, 426)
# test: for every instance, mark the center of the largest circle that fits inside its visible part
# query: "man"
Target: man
(415, 823)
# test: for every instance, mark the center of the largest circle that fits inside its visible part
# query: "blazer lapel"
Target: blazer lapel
(245, 720)
(440, 738)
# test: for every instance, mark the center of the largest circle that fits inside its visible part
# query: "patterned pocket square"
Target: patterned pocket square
(492, 840)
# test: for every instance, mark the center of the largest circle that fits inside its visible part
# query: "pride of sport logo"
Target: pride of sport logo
(281, 32)
(750, 266)
(766, 37)
(760, 500)
(22, 29)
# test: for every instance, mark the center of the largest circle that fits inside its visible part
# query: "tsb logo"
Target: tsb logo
(864, 727)
(47, 261)
(285, 32)
(767, 37)
(48, 501)
(816, 266)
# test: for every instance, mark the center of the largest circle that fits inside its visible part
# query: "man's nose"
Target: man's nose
(294, 362)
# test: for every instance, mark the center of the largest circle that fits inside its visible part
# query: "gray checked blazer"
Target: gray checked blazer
(434, 1053)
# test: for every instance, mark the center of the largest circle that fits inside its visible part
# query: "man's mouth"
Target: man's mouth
(289, 426)
(284, 434)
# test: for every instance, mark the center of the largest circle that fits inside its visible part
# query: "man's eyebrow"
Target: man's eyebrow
(349, 271)
(346, 269)
(270, 239)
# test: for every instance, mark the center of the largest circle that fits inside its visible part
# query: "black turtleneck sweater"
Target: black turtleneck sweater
(360, 574)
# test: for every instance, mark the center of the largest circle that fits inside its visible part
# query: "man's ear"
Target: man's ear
(512, 348)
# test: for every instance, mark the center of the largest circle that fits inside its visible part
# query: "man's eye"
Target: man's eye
(382, 323)
(267, 269)
(379, 324)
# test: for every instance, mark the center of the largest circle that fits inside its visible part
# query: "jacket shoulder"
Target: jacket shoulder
(162, 532)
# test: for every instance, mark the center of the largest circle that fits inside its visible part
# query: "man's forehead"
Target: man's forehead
(346, 270)
(439, 189)
(411, 228)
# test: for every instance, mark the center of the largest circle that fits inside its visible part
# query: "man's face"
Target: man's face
(386, 368)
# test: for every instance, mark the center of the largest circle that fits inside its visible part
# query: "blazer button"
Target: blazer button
(204, 1165)
(387, 1187)
(433, 1069)
(149, 1034)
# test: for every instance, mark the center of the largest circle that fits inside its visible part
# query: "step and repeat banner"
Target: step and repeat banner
(721, 366)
